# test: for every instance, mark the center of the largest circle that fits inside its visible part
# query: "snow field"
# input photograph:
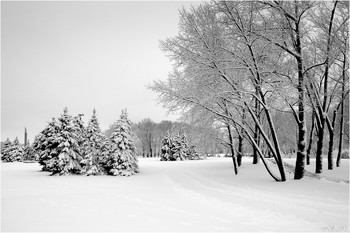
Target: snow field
(177, 196)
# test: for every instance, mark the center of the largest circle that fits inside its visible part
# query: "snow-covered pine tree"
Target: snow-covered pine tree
(177, 149)
(80, 132)
(94, 148)
(189, 150)
(185, 146)
(68, 159)
(16, 151)
(29, 153)
(166, 148)
(123, 156)
(45, 144)
(193, 154)
(5, 151)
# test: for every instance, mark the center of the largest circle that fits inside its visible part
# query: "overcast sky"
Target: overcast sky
(82, 55)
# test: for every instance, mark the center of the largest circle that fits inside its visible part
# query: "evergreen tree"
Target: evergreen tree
(192, 153)
(80, 132)
(45, 144)
(68, 159)
(58, 146)
(16, 151)
(177, 149)
(185, 146)
(29, 153)
(166, 148)
(94, 148)
(123, 156)
(5, 151)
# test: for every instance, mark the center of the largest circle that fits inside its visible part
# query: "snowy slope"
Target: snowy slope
(338, 173)
(170, 196)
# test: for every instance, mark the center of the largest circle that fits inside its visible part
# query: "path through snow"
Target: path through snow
(170, 196)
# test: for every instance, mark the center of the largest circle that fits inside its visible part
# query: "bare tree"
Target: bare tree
(204, 76)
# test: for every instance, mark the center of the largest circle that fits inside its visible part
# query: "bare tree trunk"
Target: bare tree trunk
(340, 146)
(340, 136)
(234, 160)
(150, 147)
(308, 151)
(300, 161)
(275, 150)
(256, 133)
(325, 97)
(319, 147)
(240, 150)
(331, 139)
(240, 133)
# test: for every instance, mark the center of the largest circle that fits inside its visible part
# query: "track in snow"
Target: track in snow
(170, 196)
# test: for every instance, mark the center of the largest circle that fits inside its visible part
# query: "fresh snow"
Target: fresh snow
(338, 173)
(201, 195)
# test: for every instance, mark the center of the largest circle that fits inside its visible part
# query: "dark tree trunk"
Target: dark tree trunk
(341, 126)
(330, 151)
(300, 161)
(308, 151)
(240, 150)
(240, 140)
(319, 148)
(275, 149)
(256, 133)
(301, 153)
(234, 160)
(325, 97)
(331, 141)
(150, 148)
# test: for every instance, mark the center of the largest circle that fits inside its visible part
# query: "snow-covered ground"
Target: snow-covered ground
(172, 196)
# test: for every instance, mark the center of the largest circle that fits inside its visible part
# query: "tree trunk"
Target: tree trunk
(331, 141)
(150, 148)
(240, 150)
(275, 149)
(325, 93)
(240, 140)
(341, 126)
(234, 160)
(300, 161)
(256, 133)
(330, 151)
(308, 151)
(319, 148)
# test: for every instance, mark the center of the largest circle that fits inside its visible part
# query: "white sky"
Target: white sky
(82, 55)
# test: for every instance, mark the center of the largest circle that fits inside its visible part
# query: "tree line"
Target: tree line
(242, 63)
(149, 136)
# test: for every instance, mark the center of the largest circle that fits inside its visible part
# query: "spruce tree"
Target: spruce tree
(94, 148)
(177, 149)
(5, 151)
(184, 146)
(192, 153)
(45, 144)
(166, 148)
(80, 132)
(16, 151)
(58, 146)
(68, 159)
(29, 153)
(123, 156)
